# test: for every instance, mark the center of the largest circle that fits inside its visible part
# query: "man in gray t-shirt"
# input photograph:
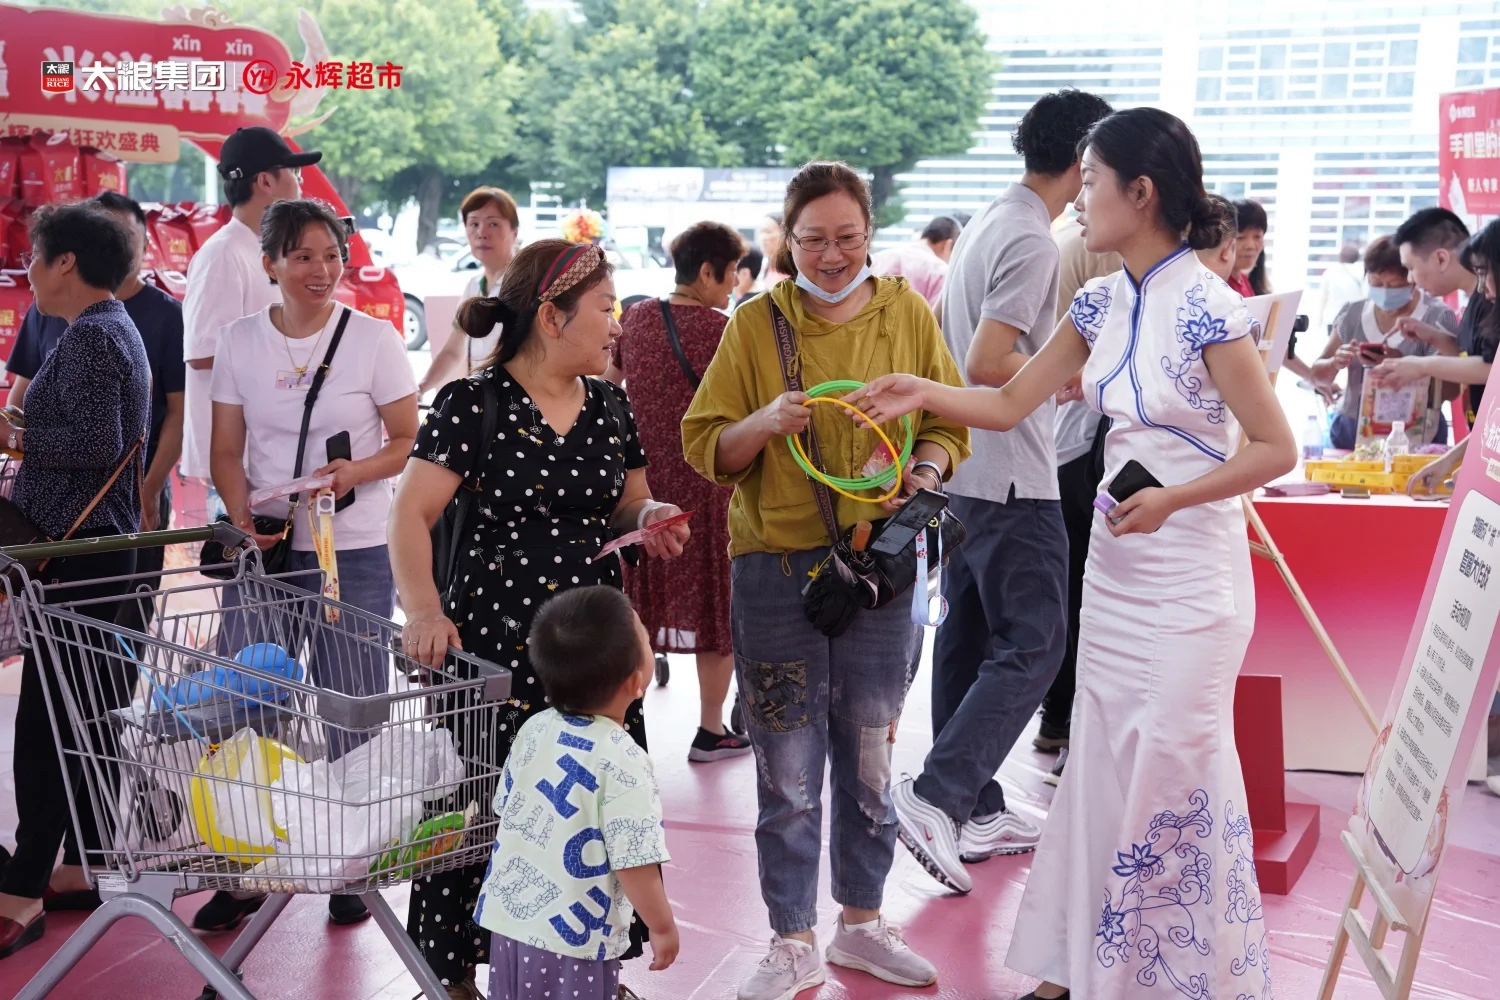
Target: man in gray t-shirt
(999, 649)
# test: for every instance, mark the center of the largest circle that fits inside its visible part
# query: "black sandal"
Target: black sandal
(224, 912)
(78, 899)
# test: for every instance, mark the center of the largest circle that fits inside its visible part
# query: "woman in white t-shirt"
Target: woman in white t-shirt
(491, 224)
(263, 368)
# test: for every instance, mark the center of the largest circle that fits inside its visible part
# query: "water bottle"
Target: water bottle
(1312, 438)
(1396, 443)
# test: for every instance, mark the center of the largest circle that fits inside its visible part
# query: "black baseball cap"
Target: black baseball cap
(254, 150)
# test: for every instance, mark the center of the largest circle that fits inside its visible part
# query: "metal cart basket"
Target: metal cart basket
(261, 738)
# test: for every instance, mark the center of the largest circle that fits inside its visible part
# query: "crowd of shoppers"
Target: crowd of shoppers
(1038, 356)
(1368, 331)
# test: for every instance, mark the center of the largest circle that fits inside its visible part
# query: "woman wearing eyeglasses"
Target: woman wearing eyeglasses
(809, 699)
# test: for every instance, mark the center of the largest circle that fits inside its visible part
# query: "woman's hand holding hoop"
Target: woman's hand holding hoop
(889, 397)
(787, 414)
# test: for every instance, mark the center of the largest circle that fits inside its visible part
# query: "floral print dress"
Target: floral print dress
(1144, 883)
(542, 513)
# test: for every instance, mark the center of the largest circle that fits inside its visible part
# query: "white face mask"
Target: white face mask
(834, 298)
(1390, 299)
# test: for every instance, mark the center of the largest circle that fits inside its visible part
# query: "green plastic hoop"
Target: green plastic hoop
(879, 480)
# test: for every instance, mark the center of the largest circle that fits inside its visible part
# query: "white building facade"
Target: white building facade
(1324, 110)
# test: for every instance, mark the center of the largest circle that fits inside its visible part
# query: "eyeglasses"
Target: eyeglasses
(817, 244)
(26, 258)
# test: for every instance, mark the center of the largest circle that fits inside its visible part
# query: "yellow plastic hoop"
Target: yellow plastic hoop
(820, 477)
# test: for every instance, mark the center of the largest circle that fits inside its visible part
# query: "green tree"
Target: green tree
(615, 92)
(450, 115)
(879, 83)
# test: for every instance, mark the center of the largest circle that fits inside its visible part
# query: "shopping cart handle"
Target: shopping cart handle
(223, 532)
(497, 679)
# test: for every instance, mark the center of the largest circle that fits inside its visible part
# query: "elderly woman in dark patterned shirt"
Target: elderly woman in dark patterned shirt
(86, 417)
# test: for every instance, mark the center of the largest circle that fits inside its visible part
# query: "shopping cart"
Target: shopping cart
(292, 756)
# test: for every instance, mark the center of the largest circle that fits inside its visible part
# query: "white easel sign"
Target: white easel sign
(1276, 314)
(1414, 783)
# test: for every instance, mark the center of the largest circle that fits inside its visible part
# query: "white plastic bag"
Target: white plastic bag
(339, 816)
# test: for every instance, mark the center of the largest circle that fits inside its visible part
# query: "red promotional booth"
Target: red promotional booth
(62, 145)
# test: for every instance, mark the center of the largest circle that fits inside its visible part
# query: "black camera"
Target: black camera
(1300, 324)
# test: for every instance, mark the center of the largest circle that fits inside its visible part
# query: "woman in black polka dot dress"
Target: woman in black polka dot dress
(564, 473)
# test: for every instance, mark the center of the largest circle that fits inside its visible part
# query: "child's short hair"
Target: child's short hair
(584, 645)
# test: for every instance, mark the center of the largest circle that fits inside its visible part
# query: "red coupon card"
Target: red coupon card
(649, 531)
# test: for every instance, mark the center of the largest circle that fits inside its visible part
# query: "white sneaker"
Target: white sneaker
(1002, 833)
(880, 951)
(931, 836)
(789, 968)
(1493, 784)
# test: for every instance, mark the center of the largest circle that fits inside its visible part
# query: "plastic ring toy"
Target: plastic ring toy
(891, 475)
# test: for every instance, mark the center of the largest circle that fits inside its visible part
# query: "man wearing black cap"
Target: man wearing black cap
(226, 280)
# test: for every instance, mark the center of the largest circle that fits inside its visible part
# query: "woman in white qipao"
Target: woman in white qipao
(1144, 884)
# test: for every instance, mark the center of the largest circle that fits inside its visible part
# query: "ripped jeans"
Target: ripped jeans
(809, 701)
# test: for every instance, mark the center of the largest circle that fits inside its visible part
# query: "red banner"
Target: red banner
(31, 36)
(1469, 153)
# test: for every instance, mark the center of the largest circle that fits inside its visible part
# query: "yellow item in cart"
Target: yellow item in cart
(231, 796)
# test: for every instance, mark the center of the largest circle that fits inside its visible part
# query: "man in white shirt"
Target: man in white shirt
(226, 279)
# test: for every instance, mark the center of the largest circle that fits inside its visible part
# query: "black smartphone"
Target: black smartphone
(1129, 481)
(898, 531)
(340, 446)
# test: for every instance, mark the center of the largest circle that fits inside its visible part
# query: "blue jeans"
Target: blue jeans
(998, 652)
(338, 661)
(811, 701)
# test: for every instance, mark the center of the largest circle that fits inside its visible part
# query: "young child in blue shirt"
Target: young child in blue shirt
(581, 839)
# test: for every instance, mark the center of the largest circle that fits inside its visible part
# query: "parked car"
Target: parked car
(424, 274)
(638, 276)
